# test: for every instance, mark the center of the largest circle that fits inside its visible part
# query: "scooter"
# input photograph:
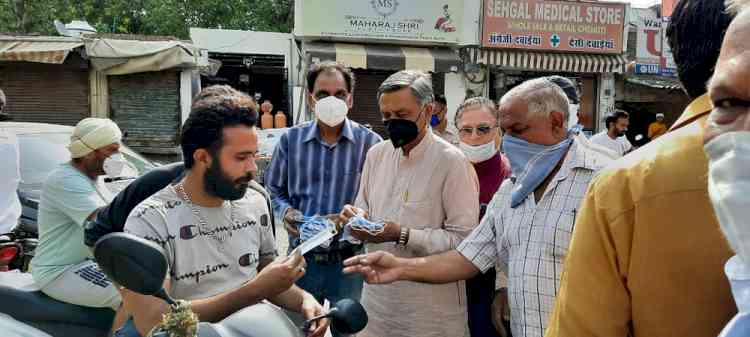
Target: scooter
(25, 303)
(140, 266)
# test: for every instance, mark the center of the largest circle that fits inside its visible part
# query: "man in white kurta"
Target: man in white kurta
(429, 190)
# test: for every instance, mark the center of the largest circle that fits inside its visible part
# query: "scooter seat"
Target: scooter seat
(34, 306)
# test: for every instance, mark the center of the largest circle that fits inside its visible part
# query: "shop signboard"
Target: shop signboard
(565, 26)
(421, 21)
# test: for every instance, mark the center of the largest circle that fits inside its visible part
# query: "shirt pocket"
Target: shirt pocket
(421, 214)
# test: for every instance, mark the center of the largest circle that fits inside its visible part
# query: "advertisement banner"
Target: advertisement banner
(648, 43)
(668, 66)
(554, 25)
(428, 21)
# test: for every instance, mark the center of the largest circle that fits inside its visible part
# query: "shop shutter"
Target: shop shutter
(147, 107)
(366, 109)
(47, 93)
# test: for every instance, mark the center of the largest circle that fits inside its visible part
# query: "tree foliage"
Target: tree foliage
(152, 17)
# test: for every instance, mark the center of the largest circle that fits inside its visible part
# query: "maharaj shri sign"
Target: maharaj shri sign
(554, 25)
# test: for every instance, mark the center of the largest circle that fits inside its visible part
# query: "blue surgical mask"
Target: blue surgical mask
(434, 121)
(531, 164)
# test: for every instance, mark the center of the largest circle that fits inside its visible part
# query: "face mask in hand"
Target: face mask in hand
(478, 153)
(729, 188)
(331, 111)
(434, 121)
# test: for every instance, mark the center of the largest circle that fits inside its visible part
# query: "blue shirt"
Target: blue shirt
(314, 177)
(739, 278)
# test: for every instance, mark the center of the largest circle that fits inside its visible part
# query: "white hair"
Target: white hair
(420, 84)
(734, 7)
(542, 96)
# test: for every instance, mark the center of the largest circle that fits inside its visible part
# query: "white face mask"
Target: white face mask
(331, 110)
(729, 188)
(478, 153)
(117, 166)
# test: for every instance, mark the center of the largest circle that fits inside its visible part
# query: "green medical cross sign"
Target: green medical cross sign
(555, 40)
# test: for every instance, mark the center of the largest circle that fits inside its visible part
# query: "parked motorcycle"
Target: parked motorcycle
(140, 266)
(17, 249)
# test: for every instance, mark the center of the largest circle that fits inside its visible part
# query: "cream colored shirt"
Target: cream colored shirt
(434, 192)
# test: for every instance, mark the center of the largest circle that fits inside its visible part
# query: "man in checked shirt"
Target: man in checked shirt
(528, 225)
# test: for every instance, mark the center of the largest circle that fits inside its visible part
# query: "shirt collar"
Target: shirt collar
(697, 108)
(419, 151)
(313, 132)
(739, 279)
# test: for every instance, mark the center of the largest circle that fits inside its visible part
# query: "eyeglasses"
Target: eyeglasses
(480, 130)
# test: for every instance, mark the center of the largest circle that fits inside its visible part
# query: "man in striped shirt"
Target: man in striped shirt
(316, 169)
(527, 228)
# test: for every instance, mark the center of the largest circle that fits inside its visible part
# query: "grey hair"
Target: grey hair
(419, 83)
(734, 7)
(477, 103)
(542, 96)
(2, 97)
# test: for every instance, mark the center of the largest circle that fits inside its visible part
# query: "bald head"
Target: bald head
(729, 88)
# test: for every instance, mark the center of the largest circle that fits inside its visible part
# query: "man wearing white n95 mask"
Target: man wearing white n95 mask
(63, 266)
(315, 171)
(727, 145)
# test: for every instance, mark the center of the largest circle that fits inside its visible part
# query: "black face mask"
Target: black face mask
(402, 131)
(220, 185)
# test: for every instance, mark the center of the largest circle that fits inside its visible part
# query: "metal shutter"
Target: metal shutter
(47, 93)
(366, 109)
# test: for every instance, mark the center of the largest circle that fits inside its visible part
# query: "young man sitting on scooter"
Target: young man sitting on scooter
(215, 232)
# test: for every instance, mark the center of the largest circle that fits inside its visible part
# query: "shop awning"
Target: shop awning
(47, 50)
(114, 56)
(384, 57)
(655, 82)
(546, 61)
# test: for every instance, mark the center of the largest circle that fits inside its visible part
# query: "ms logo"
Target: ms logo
(554, 40)
(384, 7)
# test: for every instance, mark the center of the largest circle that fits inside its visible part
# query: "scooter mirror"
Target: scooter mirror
(348, 316)
(133, 262)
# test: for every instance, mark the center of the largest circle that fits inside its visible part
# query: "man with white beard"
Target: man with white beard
(727, 145)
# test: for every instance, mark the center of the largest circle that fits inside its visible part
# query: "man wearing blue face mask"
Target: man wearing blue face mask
(439, 121)
(528, 224)
(315, 171)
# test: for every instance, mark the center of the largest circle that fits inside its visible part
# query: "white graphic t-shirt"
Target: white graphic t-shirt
(206, 259)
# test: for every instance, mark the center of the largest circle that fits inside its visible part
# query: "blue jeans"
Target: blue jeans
(127, 330)
(327, 281)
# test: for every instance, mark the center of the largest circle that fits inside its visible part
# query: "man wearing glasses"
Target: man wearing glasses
(315, 171)
(528, 225)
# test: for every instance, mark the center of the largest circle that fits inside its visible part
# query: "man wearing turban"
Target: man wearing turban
(63, 267)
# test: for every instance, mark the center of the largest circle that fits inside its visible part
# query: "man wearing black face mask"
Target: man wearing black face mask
(426, 193)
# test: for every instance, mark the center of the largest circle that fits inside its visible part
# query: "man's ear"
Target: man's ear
(350, 101)
(202, 156)
(310, 101)
(557, 120)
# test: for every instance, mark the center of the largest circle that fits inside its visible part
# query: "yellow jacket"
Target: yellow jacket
(646, 257)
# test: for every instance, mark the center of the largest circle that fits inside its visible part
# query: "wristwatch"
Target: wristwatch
(403, 238)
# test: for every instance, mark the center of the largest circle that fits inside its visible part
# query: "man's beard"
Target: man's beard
(218, 184)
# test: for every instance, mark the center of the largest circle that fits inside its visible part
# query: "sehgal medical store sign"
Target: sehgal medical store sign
(554, 25)
(429, 21)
